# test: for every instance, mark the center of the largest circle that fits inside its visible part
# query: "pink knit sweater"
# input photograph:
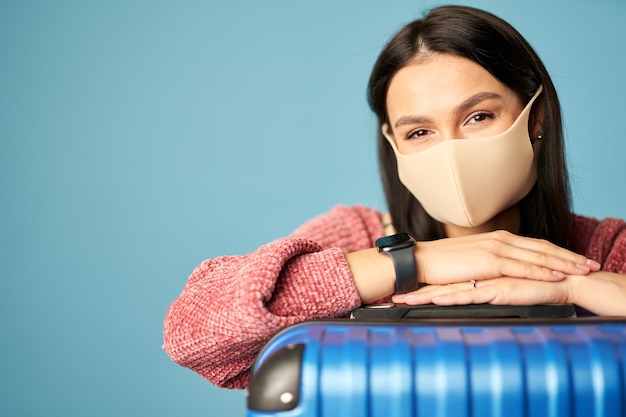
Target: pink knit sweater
(232, 305)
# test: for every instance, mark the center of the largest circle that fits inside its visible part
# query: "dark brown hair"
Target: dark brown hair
(502, 51)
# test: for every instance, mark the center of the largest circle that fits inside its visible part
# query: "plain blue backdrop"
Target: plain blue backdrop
(138, 138)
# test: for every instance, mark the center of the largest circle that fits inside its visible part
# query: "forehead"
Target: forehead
(440, 81)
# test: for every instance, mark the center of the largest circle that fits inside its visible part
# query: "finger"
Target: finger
(466, 293)
(425, 295)
(401, 298)
(543, 253)
(463, 297)
(536, 260)
(501, 291)
(528, 269)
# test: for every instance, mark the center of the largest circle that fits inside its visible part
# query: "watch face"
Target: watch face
(393, 240)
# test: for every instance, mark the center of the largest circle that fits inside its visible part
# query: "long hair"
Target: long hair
(496, 46)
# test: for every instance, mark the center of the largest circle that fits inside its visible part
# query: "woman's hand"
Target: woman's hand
(495, 255)
(602, 293)
(501, 291)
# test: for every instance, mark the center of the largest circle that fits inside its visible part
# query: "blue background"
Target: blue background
(138, 138)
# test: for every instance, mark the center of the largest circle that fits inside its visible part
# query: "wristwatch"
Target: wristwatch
(400, 248)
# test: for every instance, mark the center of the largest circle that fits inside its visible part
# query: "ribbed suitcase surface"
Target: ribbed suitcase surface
(509, 368)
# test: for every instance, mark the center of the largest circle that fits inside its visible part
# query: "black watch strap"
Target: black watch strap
(406, 271)
(400, 248)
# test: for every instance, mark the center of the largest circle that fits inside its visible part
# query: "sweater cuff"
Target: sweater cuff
(315, 286)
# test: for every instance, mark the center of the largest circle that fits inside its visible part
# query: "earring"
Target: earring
(540, 135)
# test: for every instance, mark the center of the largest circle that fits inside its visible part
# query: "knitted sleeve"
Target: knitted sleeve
(232, 305)
(603, 241)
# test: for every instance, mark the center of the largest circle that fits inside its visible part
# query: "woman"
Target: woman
(489, 214)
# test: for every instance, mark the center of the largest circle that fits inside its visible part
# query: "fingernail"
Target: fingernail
(582, 267)
(558, 274)
(593, 264)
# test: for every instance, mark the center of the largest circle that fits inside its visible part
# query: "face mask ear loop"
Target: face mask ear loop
(385, 130)
(535, 141)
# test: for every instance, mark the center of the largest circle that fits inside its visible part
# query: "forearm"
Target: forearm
(602, 293)
(232, 305)
(373, 274)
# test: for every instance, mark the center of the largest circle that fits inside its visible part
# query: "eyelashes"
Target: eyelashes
(417, 133)
(480, 117)
(475, 119)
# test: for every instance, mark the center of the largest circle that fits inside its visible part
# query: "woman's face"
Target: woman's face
(443, 97)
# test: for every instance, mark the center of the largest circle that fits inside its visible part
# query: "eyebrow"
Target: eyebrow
(461, 108)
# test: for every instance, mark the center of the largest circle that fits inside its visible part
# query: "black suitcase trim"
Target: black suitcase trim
(275, 386)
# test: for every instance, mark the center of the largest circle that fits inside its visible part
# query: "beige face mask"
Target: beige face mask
(467, 182)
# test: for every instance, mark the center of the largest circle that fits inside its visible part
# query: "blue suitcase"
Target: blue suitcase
(479, 367)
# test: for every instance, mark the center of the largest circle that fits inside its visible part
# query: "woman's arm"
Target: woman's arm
(476, 257)
(232, 305)
(601, 292)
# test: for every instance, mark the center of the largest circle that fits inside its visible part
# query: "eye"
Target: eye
(417, 134)
(480, 117)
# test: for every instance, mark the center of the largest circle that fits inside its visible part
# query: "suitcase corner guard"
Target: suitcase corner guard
(276, 383)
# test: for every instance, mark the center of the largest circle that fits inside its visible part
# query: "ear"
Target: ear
(535, 121)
